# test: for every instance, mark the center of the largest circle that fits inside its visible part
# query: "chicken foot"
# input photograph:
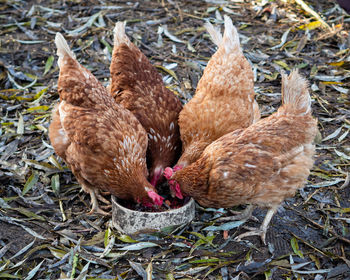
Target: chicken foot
(99, 195)
(95, 195)
(245, 215)
(259, 231)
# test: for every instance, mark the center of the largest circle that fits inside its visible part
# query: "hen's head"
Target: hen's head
(174, 186)
(156, 173)
(152, 198)
(168, 172)
(156, 198)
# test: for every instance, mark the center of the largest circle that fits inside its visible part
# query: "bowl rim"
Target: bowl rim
(171, 211)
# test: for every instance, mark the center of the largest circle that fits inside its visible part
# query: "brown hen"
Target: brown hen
(224, 99)
(261, 165)
(102, 142)
(137, 86)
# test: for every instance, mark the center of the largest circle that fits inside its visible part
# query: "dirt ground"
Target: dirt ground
(45, 232)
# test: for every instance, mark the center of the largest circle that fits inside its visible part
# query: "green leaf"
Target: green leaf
(169, 229)
(55, 162)
(48, 64)
(23, 250)
(272, 77)
(139, 269)
(3, 204)
(169, 71)
(282, 263)
(97, 238)
(225, 226)
(314, 70)
(338, 210)
(32, 232)
(88, 24)
(32, 273)
(40, 93)
(74, 266)
(84, 271)
(327, 183)
(32, 180)
(43, 116)
(268, 274)
(9, 276)
(30, 42)
(55, 184)
(20, 125)
(29, 214)
(283, 64)
(197, 234)
(301, 65)
(149, 270)
(205, 261)
(333, 135)
(310, 26)
(169, 276)
(108, 247)
(203, 239)
(107, 45)
(295, 247)
(127, 239)
(6, 123)
(107, 236)
(58, 253)
(316, 261)
(139, 246)
(41, 165)
(12, 80)
(38, 108)
(341, 154)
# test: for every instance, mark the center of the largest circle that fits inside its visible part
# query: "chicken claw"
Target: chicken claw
(94, 201)
(98, 211)
(246, 214)
(100, 197)
(252, 231)
(259, 231)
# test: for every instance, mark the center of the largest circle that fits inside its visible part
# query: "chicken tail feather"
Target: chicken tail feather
(231, 37)
(230, 41)
(295, 93)
(215, 34)
(119, 34)
(62, 48)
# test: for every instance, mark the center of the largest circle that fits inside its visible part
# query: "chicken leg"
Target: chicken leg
(263, 228)
(245, 215)
(99, 195)
(95, 195)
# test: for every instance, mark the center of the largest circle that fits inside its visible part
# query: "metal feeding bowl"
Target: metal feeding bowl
(130, 221)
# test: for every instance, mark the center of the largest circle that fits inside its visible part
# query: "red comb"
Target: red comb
(168, 172)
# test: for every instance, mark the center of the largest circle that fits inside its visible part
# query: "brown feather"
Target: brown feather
(107, 150)
(224, 99)
(137, 86)
(102, 142)
(263, 164)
